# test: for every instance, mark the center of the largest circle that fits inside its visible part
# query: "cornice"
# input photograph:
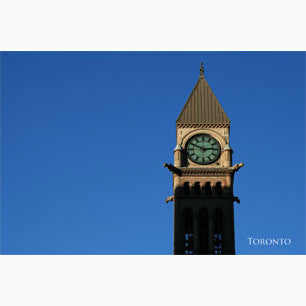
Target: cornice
(206, 171)
(213, 171)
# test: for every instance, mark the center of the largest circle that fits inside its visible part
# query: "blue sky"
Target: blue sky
(85, 135)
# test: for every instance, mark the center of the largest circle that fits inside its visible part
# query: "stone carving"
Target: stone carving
(236, 199)
(169, 199)
(236, 167)
(173, 169)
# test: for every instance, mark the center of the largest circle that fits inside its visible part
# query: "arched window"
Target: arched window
(188, 231)
(207, 189)
(203, 232)
(218, 232)
(186, 188)
(218, 188)
(197, 188)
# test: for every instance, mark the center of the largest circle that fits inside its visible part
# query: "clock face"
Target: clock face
(203, 149)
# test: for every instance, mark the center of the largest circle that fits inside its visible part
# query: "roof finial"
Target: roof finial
(202, 69)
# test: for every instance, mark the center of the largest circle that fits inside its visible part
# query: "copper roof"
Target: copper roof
(202, 106)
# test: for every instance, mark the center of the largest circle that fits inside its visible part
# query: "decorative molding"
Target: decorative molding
(202, 125)
(184, 171)
(206, 171)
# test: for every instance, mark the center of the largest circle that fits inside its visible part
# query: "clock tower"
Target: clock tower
(203, 176)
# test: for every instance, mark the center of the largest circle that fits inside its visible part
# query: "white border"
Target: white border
(196, 25)
(152, 280)
(148, 26)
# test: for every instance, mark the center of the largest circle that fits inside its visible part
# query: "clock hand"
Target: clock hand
(197, 146)
(204, 149)
(210, 149)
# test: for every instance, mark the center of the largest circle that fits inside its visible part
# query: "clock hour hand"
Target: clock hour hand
(210, 149)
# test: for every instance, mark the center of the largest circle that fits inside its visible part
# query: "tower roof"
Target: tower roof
(202, 106)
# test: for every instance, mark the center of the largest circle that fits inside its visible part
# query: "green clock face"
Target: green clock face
(203, 149)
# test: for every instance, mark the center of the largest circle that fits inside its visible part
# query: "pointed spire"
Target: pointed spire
(178, 147)
(202, 69)
(202, 106)
(227, 147)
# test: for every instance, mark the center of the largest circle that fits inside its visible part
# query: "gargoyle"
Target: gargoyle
(173, 169)
(169, 199)
(236, 199)
(236, 167)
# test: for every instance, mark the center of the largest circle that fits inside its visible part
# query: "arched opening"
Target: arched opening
(218, 233)
(188, 232)
(218, 188)
(207, 189)
(203, 232)
(186, 188)
(197, 188)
